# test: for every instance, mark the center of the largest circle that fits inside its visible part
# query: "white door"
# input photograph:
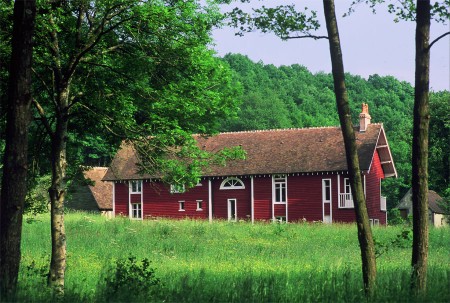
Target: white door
(326, 201)
(232, 210)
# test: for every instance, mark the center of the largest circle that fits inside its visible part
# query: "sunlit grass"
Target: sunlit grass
(229, 262)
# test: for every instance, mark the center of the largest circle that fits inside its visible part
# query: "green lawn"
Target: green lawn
(228, 262)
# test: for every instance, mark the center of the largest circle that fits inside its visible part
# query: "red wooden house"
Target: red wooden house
(288, 175)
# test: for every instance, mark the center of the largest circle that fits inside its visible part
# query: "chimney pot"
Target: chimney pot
(364, 118)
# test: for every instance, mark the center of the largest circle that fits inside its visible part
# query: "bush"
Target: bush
(394, 217)
(129, 280)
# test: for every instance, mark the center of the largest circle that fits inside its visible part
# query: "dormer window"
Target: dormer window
(232, 183)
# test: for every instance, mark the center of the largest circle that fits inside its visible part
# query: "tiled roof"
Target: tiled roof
(102, 191)
(433, 202)
(271, 152)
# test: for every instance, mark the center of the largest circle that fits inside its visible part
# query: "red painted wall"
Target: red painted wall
(344, 215)
(304, 195)
(373, 192)
(263, 197)
(121, 199)
(159, 202)
(220, 200)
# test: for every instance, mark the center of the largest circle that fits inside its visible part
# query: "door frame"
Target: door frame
(325, 201)
(230, 202)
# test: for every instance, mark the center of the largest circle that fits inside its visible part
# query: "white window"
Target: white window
(326, 190)
(232, 183)
(136, 186)
(177, 188)
(346, 198)
(374, 222)
(136, 210)
(199, 205)
(347, 187)
(181, 203)
(279, 188)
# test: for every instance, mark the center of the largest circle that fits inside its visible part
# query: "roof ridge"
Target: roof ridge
(277, 129)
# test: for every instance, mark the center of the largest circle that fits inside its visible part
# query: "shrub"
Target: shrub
(129, 280)
(394, 217)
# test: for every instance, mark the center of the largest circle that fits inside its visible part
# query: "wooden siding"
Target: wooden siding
(159, 202)
(305, 197)
(280, 210)
(304, 194)
(220, 200)
(344, 215)
(373, 191)
(121, 199)
(263, 197)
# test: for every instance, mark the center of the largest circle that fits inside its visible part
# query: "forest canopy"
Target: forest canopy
(291, 96)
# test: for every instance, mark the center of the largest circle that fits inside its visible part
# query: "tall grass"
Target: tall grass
(228, 262)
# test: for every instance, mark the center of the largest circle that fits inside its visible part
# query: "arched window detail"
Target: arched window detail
(232, 183)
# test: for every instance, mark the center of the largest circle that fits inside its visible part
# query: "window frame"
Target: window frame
(199, 205)
(224, 186)
(281, 187)
(348, 186)
(136, 211)
(137, 184)
(181, 205)
(326, 189)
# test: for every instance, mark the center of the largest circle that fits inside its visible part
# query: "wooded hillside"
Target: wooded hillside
(291, 96)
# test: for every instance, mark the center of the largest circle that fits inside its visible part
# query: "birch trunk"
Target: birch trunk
(57, 192)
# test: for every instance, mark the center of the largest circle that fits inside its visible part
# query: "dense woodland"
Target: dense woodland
(291, 96)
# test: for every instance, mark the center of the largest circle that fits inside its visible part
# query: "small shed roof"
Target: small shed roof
(280, 151)
(102, 191)
(95, 197)
(433, 202)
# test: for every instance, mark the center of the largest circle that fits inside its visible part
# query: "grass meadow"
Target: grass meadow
(196, 261)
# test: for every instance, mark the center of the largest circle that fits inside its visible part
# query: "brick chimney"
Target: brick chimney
(364, 118)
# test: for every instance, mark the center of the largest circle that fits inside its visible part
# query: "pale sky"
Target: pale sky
(371, 44)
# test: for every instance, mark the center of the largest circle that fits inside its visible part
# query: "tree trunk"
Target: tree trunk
(420, 149)
(14, 180)
(362, 217)
(57, 193)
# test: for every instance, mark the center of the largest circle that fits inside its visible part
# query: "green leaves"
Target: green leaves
(285, 21)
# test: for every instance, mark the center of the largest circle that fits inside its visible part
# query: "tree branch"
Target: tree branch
(54, 47)
(437, 39)
(99, 32)
(80, 20)
(47, 88)
(43, 118)
(307, 36)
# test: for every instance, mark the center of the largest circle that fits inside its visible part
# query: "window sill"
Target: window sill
(181, 210)
(279, 202)
(199, 209)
